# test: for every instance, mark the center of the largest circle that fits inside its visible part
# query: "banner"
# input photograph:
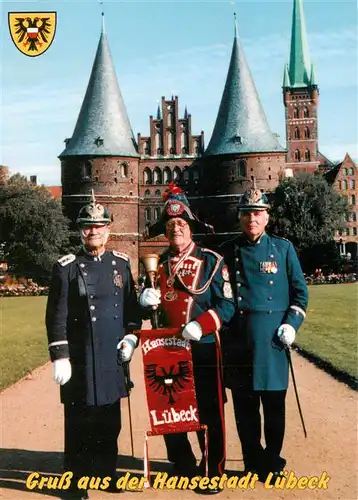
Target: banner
(169, 381)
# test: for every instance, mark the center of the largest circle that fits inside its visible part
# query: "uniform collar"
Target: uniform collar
(95, 258)
(258, 241)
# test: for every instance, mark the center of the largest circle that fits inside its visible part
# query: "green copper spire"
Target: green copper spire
(286, 78)
(313, 75)
(300, 64)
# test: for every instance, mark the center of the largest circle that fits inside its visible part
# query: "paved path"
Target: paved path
(32, 439)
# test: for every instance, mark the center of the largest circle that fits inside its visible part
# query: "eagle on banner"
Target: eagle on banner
(168, 382)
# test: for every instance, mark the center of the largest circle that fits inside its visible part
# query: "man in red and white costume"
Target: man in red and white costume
(194, 293)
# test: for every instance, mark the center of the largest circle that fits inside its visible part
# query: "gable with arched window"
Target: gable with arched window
(147, 176)
(157, 176)
(176, 174)
(167, 175)
(186, 175)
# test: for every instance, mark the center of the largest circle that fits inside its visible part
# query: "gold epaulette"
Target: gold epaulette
(120, 255)
(66, 259)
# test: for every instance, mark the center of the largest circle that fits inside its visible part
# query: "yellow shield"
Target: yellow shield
(32, 32)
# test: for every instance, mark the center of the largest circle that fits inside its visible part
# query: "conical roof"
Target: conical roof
(103, 127)
(241, 125)
(300, 64)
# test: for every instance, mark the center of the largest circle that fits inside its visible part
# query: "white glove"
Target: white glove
(62, 371)
(126, 347)
(150, 297)
(287, 334)
(192, 331)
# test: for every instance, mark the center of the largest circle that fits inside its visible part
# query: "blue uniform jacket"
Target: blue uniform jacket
(270, 290)
(91, 305)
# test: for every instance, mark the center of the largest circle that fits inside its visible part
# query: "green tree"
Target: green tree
(307, 211)
(33, 229)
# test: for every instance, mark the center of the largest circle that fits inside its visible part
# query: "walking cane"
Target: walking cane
(129, 386)
(288, 354)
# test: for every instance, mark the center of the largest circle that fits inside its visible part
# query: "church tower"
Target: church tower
(300, 97)
(242, 147)
(102, 155)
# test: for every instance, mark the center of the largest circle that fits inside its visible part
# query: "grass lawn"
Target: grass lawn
(23, 337)
(330, 329)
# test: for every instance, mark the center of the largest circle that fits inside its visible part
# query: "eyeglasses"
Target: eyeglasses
(179, 223)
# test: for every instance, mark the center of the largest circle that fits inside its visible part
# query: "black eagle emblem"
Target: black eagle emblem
(32, 31)
(169, 382)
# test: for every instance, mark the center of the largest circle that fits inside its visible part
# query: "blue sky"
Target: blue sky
(164, 47)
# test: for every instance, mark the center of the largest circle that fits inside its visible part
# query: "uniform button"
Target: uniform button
(239, 298)
(269, 298)
(115, 305)
(272, 256)
(82, 265)
(182, 325)
(270, 282)
(92, 308)
(91, 296)
(269, 312)
(115, 271)
(238, 285)
(241, 312)
(184, 312)
(237, 259)
(94, 319)
(237, 272)
(113, 262)
(115, 317)
(115, 293)
(95, 259)
(186, 300)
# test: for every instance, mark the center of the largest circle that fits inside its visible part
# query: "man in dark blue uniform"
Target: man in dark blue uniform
(194, 294)
(91, 310)
(271, 299)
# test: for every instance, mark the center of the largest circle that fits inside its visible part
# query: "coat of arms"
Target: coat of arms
(32, 32)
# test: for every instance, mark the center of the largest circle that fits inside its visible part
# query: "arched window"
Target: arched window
(295, 113)
(157, 193)
(157, 176)
(146, 148)
(176, 174)
(339, 184)
(186, 175)
(196, 175)
(307, 133)
(156, 213)
(184, 140)
(353, 199)
(158, 141)
(345, 184)
(352, 184)
(297, 133)
(241, 171)
(306, 113)
(167, 175)
(345, 171)
(307, 155)
(147, 176)
(147, 214)
(124, 169)
(297, 156)
(170, 119)
(147, 193)
(351, 171)
(87, 170)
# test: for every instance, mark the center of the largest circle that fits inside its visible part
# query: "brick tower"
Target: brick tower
(102, 155)
(242, 147)
(300, 97)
